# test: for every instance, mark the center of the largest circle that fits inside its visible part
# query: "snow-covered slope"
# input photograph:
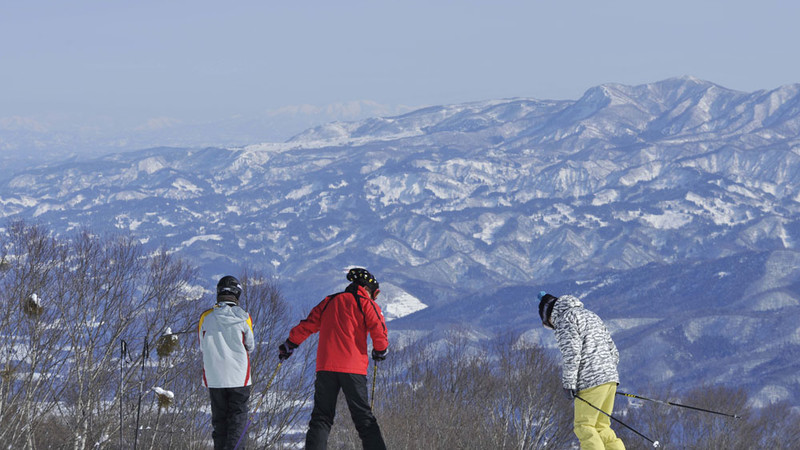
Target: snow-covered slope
(611, 196)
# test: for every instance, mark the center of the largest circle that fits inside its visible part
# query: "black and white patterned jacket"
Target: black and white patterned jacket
(590, 357)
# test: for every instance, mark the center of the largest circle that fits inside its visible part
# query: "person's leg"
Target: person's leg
(586, 418)
(609, 438)
(237, 416)
(326, 390)
(219, 417)
(354, 387)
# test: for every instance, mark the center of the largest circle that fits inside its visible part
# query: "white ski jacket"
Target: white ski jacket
(226, 340)
(590, 357)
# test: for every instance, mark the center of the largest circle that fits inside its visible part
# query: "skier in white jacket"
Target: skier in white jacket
(589, 370)
(226, 340)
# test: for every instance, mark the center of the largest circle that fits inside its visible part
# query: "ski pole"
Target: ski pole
(122, 354)
(655, 443)
(258, 405)
(735, 416)
(145, 355)
(374, 376)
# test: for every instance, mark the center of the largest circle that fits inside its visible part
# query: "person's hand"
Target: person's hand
(379, 355)
(569, 393)
(286, 349)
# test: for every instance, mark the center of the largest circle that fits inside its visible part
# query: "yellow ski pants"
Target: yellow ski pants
(592, 427)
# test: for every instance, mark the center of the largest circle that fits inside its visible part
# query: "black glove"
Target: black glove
(379, 355)
(286, 349)
(569, 393)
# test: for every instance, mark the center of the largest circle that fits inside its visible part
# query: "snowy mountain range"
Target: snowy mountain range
(670, 208)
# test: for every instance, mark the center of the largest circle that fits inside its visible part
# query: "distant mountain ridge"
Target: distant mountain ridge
(26, 141)
(611, 196)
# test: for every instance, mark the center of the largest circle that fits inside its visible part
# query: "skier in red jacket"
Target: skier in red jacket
(343, 321)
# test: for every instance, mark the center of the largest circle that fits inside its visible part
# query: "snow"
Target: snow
(75, 201)
(129, 195)
(23, 201)
(134, 224)
(617, 324)
(768, 394)
(297, 194)
(592, 222)
(394, 189)
(639, 174)
(537, 336)
(733, 329)
(164, 222)
(164, 392)
(741, 190)
(605, 197)
(668, 220)
(183, 184)
(23, 182)
(774, 301)
(151, 165)
(44, 208)
(193, 291)
(720, 212)
(489, 224)
(201, 238)
(334, 134)
(401, 305)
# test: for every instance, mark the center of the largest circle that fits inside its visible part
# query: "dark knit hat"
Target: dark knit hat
(546, 302)
(362, 277)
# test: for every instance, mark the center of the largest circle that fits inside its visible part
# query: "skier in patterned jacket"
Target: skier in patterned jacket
(589, 370)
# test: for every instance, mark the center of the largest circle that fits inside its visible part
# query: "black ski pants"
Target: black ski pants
(326, 391)
(229, 416)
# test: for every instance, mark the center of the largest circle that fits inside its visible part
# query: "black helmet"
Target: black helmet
(229, 285)
(362, 277)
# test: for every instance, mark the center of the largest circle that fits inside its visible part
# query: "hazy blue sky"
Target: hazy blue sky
(199, 59)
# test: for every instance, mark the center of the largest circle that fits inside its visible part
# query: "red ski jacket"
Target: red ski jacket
(343, 321)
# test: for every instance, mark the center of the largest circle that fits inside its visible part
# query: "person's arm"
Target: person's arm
(613, 348)
(249, 338)
(309, 325)
(200, 327)
(570, 344)
(376, 325)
